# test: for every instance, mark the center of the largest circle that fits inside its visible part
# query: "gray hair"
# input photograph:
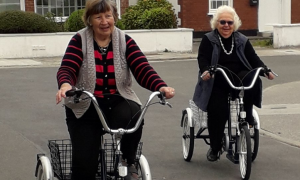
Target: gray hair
(225, 9)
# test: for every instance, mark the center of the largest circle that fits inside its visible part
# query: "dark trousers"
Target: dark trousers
(86, 132)
(218, 110)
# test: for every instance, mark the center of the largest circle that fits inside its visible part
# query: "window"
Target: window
(214, 4)
(9, 5)
(60, 8)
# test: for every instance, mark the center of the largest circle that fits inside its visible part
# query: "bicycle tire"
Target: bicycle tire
(44, 169)
(254, 143)
(245, 155)
(188, 138)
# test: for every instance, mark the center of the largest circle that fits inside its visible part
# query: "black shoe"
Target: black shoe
(211, 156)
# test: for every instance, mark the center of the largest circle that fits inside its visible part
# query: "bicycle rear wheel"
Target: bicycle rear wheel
(43, 168)
(188, 138)
(245, 155)
(254, 133)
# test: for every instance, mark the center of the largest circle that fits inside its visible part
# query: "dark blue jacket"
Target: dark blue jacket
(203, 88)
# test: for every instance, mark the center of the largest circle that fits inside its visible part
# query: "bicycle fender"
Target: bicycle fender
(256, 118)
(145, 168)
(189, 112)
(47, 168)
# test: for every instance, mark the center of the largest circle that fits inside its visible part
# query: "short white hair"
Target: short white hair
(225, 9)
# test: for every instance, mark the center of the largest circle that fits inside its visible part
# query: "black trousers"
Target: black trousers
(86, 132)
(217, 109)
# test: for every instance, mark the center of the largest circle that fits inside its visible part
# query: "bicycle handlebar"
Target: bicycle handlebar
(213, 69)
(78, 92)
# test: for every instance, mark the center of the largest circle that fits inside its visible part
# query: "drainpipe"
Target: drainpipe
(118, 3)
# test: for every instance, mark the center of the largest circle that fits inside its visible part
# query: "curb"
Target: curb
(281, 139)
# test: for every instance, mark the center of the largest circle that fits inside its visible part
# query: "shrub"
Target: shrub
(15, 21)
(146, 15)
(56, 20)
(75, 22)
(157, 18)
(120, 24)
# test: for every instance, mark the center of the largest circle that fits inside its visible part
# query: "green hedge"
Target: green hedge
(15, 21)
(150, 14)
(75, 22)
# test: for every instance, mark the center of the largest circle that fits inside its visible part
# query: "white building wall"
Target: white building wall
(54, 44)
(272, 12)
(286, 35)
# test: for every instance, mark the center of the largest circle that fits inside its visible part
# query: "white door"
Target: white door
(272, 12)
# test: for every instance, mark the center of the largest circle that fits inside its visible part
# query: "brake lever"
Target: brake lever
(274, 73)
(268, 70)
(163, 99)
(170, 106)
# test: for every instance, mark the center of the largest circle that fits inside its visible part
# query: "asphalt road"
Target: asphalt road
(29, 117)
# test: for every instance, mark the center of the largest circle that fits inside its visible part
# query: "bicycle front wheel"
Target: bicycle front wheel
(43, 169)
(188, 138)
(245, 155)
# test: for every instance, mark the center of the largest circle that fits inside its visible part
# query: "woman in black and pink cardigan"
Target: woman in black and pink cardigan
(99, 58)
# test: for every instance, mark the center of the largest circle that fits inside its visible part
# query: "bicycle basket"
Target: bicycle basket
(61, 158)
(234, 112)
(199, 116)
(111, 156)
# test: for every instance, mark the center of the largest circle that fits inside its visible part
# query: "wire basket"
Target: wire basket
(200, 117)
(61, 158)
(234, 112)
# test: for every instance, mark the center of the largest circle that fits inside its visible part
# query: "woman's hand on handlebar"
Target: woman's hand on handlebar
(169, 92)
(61, 93)
(206, 76)
(270, 76)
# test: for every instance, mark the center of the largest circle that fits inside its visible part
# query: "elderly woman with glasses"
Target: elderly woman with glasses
(225, 47)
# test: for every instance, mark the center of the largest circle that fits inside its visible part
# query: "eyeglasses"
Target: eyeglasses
(223, 22)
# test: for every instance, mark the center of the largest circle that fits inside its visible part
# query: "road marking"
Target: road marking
(277, 109)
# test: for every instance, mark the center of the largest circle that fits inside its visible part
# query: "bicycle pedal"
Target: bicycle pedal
(122, 171)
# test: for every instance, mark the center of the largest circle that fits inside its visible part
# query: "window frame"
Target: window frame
(57, 17)
(213, 11)
(21, 4)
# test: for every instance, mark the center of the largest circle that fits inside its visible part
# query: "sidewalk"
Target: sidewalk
(55, 61)
(280, 113)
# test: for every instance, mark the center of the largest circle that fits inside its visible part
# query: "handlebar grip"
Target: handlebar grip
(74, 91)
(70, 93)
(162, 95)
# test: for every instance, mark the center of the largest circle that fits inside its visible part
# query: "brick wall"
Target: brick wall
(194, 14)
(124, 5)
(295, 15)
(29, 5)
(248, 14)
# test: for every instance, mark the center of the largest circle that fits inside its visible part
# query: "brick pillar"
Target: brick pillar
(295, 15)
(29, 5)
(124, 5)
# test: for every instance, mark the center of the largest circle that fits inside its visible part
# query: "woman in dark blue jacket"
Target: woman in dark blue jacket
(226, 47)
